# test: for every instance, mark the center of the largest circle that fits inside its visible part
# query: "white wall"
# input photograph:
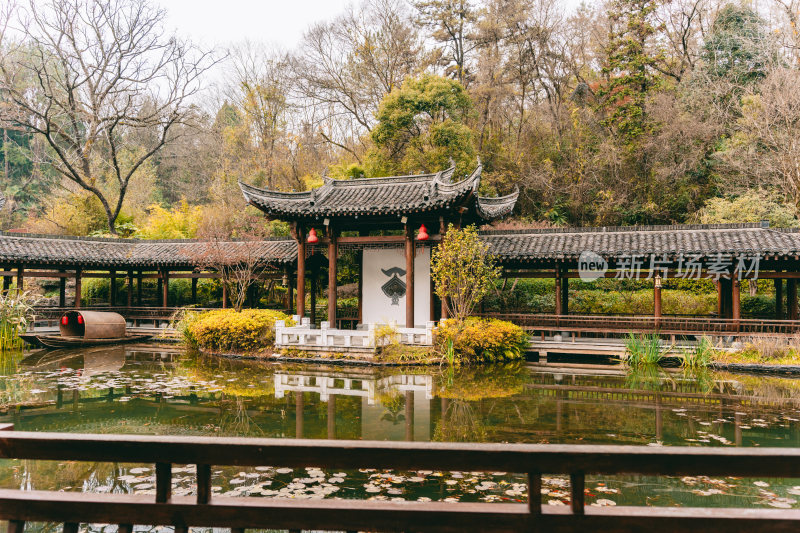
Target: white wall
(377, 308)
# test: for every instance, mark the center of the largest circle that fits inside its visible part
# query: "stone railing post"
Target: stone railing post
(279, 326)
(429, 326)
(324, 333)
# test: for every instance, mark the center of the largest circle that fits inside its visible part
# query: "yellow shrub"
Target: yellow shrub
(483, 340)
(225, 330)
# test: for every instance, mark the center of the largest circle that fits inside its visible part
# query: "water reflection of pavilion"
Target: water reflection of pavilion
(355, 384)
(379, 419)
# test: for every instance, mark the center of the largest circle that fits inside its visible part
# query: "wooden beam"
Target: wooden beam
(409, 253)
(62, 291)
(77, 288)
(301, 270)
(332, 258)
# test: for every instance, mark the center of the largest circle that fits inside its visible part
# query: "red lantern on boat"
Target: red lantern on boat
(64, 320)
(423, 233)
(80, 319)
(312, 237)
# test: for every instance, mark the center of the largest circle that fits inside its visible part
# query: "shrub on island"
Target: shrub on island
(477, 340)
(226, 331)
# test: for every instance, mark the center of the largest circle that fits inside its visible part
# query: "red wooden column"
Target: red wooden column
(77, 288)
(165, 288)
(62, 289)
(130, 289)
(409, 276)
(20, 279)
(791, 299)
(301, 271)
(332, 257)
(442, 232)
(657, 299)
(559, 292)
(735, 299)
(112, 288)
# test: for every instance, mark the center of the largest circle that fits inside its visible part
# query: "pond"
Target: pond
(161, 390)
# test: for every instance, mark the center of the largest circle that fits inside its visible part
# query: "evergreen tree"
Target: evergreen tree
(630, 67)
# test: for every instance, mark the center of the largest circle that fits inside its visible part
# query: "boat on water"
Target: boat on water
(86, 328)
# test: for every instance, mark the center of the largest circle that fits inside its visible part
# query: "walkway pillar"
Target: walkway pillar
(6, 284)
(778, 298)
(62, 289)
(313, 297)
(735, 299)
(77, 288)
(129, 292)
(165, 288)
(289, 292)
(301, 271)
(409, 276)
(112, 288)
(564, 293)
(443, 299)
(791, 299)
(194, 291)
(657, 299)
(20, 279)
(559, 292)
(139, 288)
(224, 295)
(332, 257)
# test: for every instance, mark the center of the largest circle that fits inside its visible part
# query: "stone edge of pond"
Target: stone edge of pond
(314, 360)
(756, 368)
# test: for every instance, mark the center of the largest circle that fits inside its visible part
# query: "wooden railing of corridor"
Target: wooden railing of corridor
(203, 509)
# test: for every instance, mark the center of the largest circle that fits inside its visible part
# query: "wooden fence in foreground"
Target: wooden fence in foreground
(126, 510)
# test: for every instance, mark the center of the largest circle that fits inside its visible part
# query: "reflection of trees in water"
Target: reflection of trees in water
(235, 420)
(460, 423)
(393, 402)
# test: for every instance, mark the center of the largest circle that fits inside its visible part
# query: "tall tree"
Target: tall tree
(452, 22)
(421, 127)
(630, 67)
(107, 72)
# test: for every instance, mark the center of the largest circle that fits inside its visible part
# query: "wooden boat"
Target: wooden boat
(59, 341)
(86, 328)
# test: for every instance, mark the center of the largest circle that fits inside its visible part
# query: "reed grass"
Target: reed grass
(701, 355)
(643, 350)
(16, 312)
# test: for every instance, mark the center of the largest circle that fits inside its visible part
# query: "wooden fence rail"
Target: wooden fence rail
(678, 325)
(203, 509)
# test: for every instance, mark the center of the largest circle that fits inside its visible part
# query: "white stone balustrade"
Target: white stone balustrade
(306, 336)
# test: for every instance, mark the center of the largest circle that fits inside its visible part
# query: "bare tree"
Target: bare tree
(765, 149)
(110, 84)
(238, 261)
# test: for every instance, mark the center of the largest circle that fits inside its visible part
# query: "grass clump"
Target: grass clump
(480, 340)
(644, 350)
(699, 356)
(16, 312)
(225, 330)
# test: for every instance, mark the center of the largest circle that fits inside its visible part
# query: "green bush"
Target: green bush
(482, 340)
(225, 330)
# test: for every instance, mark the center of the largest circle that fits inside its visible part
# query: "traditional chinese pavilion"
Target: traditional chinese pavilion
(392, 222)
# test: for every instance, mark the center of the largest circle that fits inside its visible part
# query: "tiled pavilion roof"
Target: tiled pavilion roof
(398, 195)
(704, 240)
(509, 245)
(125, 253)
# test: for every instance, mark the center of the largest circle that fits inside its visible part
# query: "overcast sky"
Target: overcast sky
(222, 22)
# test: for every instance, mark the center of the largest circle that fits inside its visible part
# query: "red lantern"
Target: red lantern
(312, 236)
(64, 320)
(80, 319)
(423, 233)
